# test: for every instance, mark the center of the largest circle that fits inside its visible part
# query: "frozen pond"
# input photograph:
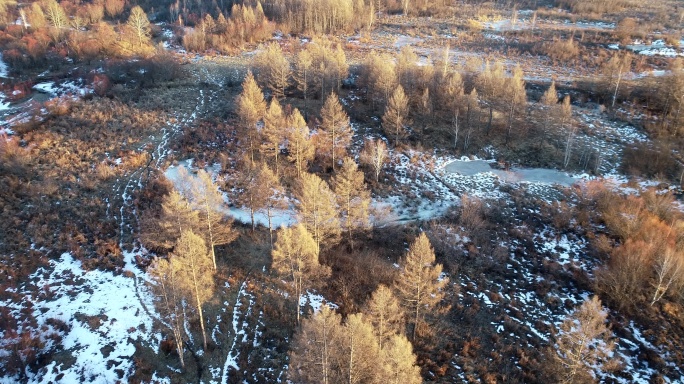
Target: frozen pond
(514, 175)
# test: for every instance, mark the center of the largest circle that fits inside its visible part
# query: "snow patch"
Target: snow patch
(105, 314)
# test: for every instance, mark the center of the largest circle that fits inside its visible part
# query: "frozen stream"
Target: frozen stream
(514, 175)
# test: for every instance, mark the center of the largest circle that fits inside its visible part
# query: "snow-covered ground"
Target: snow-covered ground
(103, 315)
(4, 70)
(656, 48)
(280, 217)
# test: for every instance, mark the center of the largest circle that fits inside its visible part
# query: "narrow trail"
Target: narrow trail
(238, 330)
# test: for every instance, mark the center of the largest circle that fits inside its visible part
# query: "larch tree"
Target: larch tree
(564, 112)
(549, 101)
(216, 228)
(274, 132)
(302, 74)
(312, 353)
(450, 96)
(420, 285)
(381, 78)
(275, 193)
(358, 356)
(584, 343)
(114, 7)
(251, 108)
(489, 84)
(516, 98)
(395, 118)
(139, 24)
(195, 272)
(471, 102)
(407, 70)
(615, 70)
(169, 301)
(274, 69)
(300, 147)
(162, 229)
(353, 198)
(385, 313)
(336, 129)
(248, 190)
(374, 155)
(399, 362)
(317, 210)
(295, 255)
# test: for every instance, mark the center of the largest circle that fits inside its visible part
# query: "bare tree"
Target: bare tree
(275, 195)
(615, 70)
(565, 112)
(374, 154)
(669, 272)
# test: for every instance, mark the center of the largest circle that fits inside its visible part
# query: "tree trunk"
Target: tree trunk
(211, 233)
(201, 316)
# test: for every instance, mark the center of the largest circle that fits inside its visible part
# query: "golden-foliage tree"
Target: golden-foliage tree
(394, 120)
(399, 362)
(584, 343)
(420, 284)
(273, 69)
(169, 302)
(216, 228)
(251, 108)
(317, 210)
(312, 359)
(195, 273)
(329, 66)
(274, 192)
(303, 73)
(139, 25)
(353, 198)
(273, 133)
(328, 351)
(515, 98)
(384, 311)
(160, 229)
(295, 255)
(358, 349)
(335, 128)
(380, 77)
(300, 147)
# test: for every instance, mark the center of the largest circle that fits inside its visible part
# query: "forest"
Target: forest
(341, 191)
